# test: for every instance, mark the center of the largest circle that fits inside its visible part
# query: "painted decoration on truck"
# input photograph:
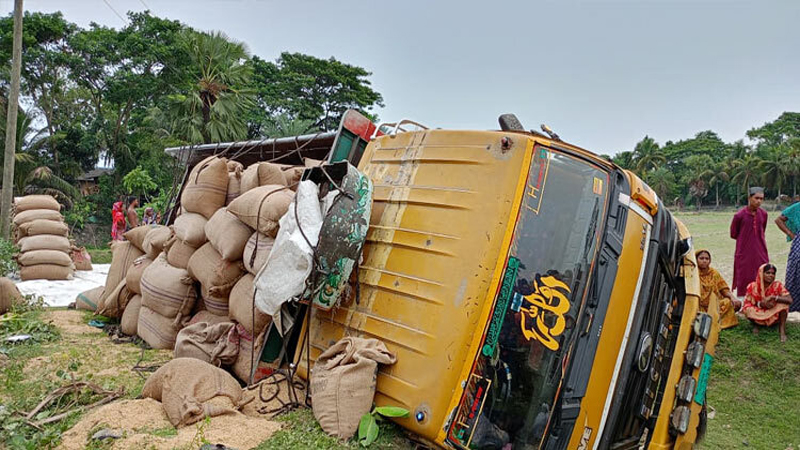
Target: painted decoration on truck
(542, 312)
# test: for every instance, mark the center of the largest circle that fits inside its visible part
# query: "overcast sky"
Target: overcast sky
(600, 73)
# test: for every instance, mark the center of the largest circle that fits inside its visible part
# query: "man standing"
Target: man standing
(747, 228)
(133, 216)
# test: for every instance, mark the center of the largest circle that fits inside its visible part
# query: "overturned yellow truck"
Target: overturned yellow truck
(536, 296)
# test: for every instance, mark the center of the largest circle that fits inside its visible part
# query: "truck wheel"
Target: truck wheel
(703, 424)
(509, 122)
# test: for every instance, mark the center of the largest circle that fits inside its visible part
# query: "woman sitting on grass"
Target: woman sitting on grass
(767, 301)
(712, 284)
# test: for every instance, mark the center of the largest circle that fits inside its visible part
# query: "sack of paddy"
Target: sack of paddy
(167, 290)
(256, 252)
(262, 174)
(190, 389)
(123, 254)
(155, 240)
(130, 317)
(34, 257)
(234, 166)
(46, 272)
(215, 304)
(9, 295)
(158, 331)
(88, 300)
(45, 242)
(36, 214)
(191, 229)
(207, 317)
(43, 226)
(261, 208)
(134, 276)
(80, 258)
(179, 253)
(234, 183)
(113, 303)
(249, 352)
(343, 383)
(293, 175)
(242, 310)
(227, 234)
(206, 342)
(206, 188)
(30, 202)
(136, 236)
(215, 274)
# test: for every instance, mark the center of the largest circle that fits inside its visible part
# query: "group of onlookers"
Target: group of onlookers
(123, 219)
(762, 299)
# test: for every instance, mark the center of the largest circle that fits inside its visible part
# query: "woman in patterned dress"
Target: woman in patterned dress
(712, 284)
(767, 301)
(789, 223)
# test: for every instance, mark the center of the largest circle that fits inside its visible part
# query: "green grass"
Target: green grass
(100, 255)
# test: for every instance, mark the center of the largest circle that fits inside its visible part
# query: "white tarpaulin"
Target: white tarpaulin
(63, 292)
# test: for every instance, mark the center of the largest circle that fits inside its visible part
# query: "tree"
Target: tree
(746, 171)
(698, 172)
(624, 160)
(662, 181)
(213, 108)
(647, 155)
(283, 125)
(138, 182)
(310, 88)
(774, 170)
(777, 132)
(719, 175)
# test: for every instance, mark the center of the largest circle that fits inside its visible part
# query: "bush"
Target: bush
(7, 262)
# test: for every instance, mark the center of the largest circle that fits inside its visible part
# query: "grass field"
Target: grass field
(755, 381)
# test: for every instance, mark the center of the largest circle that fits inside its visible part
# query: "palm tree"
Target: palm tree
(699, 170)
(283, 125)
(647, 155)
(775, 171)
(661, 180)
(791, 153)
(719, 175)
(213, 109)
(746, 171)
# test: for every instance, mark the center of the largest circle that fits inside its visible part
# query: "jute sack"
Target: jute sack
(256, 252)
(190, 389)
(88, 300)
(207, 343)
(9, 295)
(215, 304)
(45, 272)
(293, 175)
(227, 234)
(136, 236)
(158, 331)
(130, 317)
(179, 253)
(216, 275)
(206, 187)
(191, 229)
(248, 356)
(134, 276)
(207, 317)
(242, 310)
(81, 258)
(44, 257)
(123, 254)
(113, 303)
(235, 166)
(155, 240)
(261, 208)
(167, 290)
(35, 214)
(343, 383)
(43, 226)
(44, 242)
(30, 202)
(234, 186)
(262, 174)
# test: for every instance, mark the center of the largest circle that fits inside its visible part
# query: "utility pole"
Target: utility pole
(11, 125)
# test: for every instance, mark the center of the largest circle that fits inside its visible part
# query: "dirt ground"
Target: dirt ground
(141, 422)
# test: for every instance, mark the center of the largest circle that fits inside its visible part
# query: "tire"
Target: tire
(509, 122)
(703, 424)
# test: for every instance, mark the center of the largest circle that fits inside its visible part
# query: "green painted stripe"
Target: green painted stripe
(86, 300)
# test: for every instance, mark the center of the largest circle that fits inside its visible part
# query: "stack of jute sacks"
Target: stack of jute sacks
(199, 272)
(41, 236)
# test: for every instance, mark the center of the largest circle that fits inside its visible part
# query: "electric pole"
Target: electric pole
(11, 125)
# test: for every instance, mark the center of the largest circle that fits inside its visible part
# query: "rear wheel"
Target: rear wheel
(703, 424)
(509, 122)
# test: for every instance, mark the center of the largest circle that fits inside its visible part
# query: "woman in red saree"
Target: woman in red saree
(767, 301)
(117, 222)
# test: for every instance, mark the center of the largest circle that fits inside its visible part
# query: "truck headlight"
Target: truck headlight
(702, 325)
(686, 387)
(694, 354)
(679, 419)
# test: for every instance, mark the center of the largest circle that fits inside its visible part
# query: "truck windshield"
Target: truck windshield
(510, 394)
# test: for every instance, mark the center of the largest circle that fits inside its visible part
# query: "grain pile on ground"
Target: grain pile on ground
(42, 239)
